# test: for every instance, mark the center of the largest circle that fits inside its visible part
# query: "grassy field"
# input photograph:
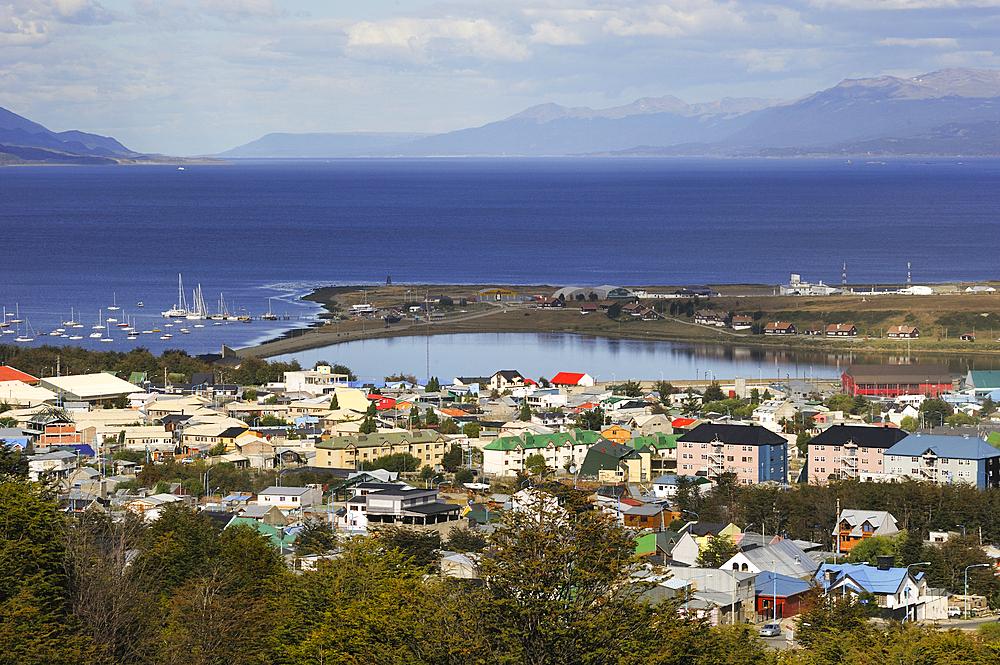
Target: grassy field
(940, 319)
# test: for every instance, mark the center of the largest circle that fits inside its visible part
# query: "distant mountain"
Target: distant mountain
(951, 112)
(24, 140)
(318, 146)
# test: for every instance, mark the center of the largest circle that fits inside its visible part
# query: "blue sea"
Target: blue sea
(261, 234)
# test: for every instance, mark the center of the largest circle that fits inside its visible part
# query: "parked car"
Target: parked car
(954, 612)
(770, 630)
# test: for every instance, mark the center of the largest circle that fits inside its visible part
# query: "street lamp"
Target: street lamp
(975, 565)
(575, 471)
(963, 529)
(906, 590)
(432, 480)
(691, 512)
(774, 586)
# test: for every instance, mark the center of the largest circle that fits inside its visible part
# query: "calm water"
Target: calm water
(545, 354)
(79, 238)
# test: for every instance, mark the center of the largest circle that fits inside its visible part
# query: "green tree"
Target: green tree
(535, 464)
(13, 463)
(714, 392)
(465, 540)
(453, 458)
(665, 389)
(449, 426)
(420, 547)
(909, 423)
(525, 413)
(426, 472)
(692, 402)
(591, 420)
(250, 395)
(316, 537)
(433, 385)
(632, 388)
(802, 442)
(471, 430)
(334, 403)
(398, 462)
(369, 425)
(179, 546)
(413, 420)
(431, 418)
(988, 406)
(463, 476)
(959, 419)
(869, 549)
(755, 396)
(934, 412)
(716, 552)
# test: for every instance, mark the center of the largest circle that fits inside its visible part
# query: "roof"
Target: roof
(784, 554)
(8, 373)
(884, 522)
(899, 373)
(868, 578)
(567, 378)
(859, 435)
(984, 379)
(783, 586)
(747, 435)
(90, 386)
(284, 491)
(960, 447)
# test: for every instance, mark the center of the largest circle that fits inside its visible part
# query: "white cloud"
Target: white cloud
(933, 42)
(240, 10)
(429, 40)
(905, 4)
(546, 32)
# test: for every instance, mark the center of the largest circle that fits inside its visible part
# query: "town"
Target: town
(744, 501)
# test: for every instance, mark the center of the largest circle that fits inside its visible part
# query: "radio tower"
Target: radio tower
(907, 274)
(843, 279)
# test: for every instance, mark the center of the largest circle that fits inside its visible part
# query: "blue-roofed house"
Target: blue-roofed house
(896, 590)
(784, 591)
(940, 458)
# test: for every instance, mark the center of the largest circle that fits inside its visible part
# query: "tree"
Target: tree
(909, 423)
(632, 388)
(591, 420)
(453, 458)
(988, 406)
(431, 418)
(869, 549)
(449, 426)
(471, 430)
(334, 403)
(465, 540)
(316, 537)
(665, 389)
(543, 382)
(535, 464)
(250, 395)
(337, 368)
(802, 442)
(713, 393)
(13, 463)
(413, 420)
(755, 396)
(615, 310)
(418, 546)
(398, 462)
(369, 425)
(426, 472)
(716, 552)
(446, 301)
(830, 617)
(433, 385)
(692, 402)
(525, 413)
(934, 412)
(463, 476)
(959, 419)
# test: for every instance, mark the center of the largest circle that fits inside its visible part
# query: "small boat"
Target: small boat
(132, 337)
(24, 337)
(156, 330)
(217, 323)
(147, 332)
(42, 334)
(94, 335)
(165, 336)
(140, 304)
(17, 314)
(100, 315)
(199, 325)
(114, 300)
(270, 316)
(4, 323)
(185, 331)
(75, 337)
(107, 338)
(169, 325)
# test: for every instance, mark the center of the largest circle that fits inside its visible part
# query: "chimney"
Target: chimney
(886, 562)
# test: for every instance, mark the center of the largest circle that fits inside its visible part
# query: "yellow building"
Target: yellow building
(349, 451)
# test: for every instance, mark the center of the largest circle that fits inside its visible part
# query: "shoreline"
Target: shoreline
(526, 318)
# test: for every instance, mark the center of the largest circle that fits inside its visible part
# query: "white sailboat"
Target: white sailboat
(17, 314)
(270, 316)
(4, 323)
(114, 301)
(198, 309)
(98, 325)
(107, 332)
(25, 337)
(180, 308)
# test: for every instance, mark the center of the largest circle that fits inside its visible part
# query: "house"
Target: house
(754, 453)
(665, 486)
(572, 379)
(841, 330)
(270, 515)
(656, 543)
(648, 516)
(8, 373)
(902, 332)
(796, 287)
(854, 526)
(648, 314)
(290, 498)
(349, 451)
(319, 381)
(506, 378)
(588, 308)
(899, 592)
(779, 596)
(97, 388)
(56, 464)
(403, 505)
(508, 455)
(715, 591)
(982, 382)
(783, 555)
(968, 337)
(770, 413)
(779, 328)
(896, 380)
(19, 393)
(708, 317)
(617, 434)
(615, 462)
(849, 452)
(944, 459)
(647, 424)
(741, 322)
(151, 507)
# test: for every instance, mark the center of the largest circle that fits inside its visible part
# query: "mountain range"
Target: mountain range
(950, 112)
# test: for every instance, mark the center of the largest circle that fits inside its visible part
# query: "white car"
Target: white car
(770, 630)
(954, 612)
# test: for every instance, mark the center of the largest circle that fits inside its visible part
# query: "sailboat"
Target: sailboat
(24, 337)
(180, 308)
(114, 300)
(4, 323)
(17, 314)
(99, 325)
(270, 316)
(198, 309)
(107, 332)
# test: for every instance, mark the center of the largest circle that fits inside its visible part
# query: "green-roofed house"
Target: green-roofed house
(506, 455)
(982, 381)
(656, 543)
(662, 451)
(609, 461)
(994, 439)
(278, 538)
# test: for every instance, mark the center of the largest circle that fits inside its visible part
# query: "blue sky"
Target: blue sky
(187, 77)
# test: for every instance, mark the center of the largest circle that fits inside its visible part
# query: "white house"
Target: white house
(290, 498)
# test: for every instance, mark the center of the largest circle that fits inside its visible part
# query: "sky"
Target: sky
(193, 77)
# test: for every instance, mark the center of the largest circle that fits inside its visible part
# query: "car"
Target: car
(954, 612)
(770, 630)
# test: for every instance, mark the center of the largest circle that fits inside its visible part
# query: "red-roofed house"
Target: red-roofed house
(382, 403)
(8, 373)
(683, 423)
(572, 379)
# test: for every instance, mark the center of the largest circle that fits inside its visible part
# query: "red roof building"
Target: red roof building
(572, 379)
(8, 373)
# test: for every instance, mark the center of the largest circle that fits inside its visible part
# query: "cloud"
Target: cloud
(546, 32)
(418, 40)
(905, 4)
(932, 42)
(235, 11)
